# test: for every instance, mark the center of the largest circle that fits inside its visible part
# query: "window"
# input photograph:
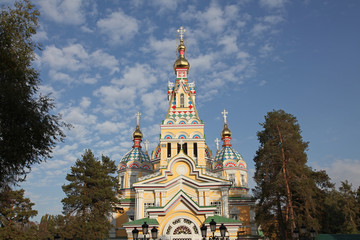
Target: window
(133, 179)
(195, 150)
(184, 147)
(169, 150)
(234, 216)
(232, 179)
(243, 181)
(216, 204)
(182, 100)
(122, 185)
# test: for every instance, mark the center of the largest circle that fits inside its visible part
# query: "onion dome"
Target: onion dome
(136, 157)
(137, 134)
(226, 131)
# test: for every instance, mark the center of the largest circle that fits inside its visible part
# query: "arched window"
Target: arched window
(168, 150)
(195, 150)
(182, 104)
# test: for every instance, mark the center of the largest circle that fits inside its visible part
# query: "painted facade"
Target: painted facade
(182, 185)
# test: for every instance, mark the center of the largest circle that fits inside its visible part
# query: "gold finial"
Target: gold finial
(226, 131)
(181, 62)
(137, 133)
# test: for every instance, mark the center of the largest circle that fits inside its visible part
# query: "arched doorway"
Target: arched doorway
(182, 228)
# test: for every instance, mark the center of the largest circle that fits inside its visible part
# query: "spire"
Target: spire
(181, 62)
(225, 133)
(137, 134)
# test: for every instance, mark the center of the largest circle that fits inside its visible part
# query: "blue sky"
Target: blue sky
(105, 60)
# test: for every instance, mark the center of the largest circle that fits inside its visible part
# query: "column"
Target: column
(225, 201)
(139, 202)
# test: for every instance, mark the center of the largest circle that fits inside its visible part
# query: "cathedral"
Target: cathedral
(182, 187)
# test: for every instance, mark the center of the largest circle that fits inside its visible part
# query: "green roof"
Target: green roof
(220, 219)
(338, 237)
(149, 221)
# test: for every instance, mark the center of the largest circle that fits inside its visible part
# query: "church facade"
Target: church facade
(182, 186)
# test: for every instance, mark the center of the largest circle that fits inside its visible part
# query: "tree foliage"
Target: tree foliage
(15, 212)
(285, 188)
(91, 195)
(290, 193)
(28, 130)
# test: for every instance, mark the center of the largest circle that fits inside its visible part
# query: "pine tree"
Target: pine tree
(28, 130)
(91, 195)
(285, 189)
(15, 212)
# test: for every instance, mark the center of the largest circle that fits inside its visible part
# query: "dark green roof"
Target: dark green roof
(338, 237)
(220, 219)
(149, 221)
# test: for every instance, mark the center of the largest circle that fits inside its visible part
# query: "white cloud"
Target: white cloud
(154, 101)
(119, 27)
(202, 62)
(229, 43)
(273, 19)
(85, 102)
(109, 127)
(265, 50)
(105, 60)
(140, 76)
(259, 29)
(114, 97)
(74, 58)
(344, 169)
(63, 11)
(272, 4)
(165, 5)
(60, 77)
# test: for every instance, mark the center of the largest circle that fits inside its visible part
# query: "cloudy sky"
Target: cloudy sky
(105, 60)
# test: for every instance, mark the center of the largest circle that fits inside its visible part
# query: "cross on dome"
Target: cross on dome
(217, 142)
(225, 113)
(146, 145)
(181, 32)
(137, 115)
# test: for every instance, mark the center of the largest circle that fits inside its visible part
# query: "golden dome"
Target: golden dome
(137, 133)
(181, 62)
(226, 131)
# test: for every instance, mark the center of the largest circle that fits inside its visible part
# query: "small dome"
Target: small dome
(226, 131)
(227, 153)
(135, 154)
(137, 133)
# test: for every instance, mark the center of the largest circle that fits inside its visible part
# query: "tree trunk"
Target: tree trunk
(289, 195)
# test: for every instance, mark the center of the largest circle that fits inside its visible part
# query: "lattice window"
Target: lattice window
(176, 221)
(146, 206)
(168, 230)
(182, 230)
(216, 204)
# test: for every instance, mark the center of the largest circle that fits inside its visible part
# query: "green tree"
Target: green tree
(91, 195)
(15, 212)
(349, 207)
(285, 188)
(28, 131)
